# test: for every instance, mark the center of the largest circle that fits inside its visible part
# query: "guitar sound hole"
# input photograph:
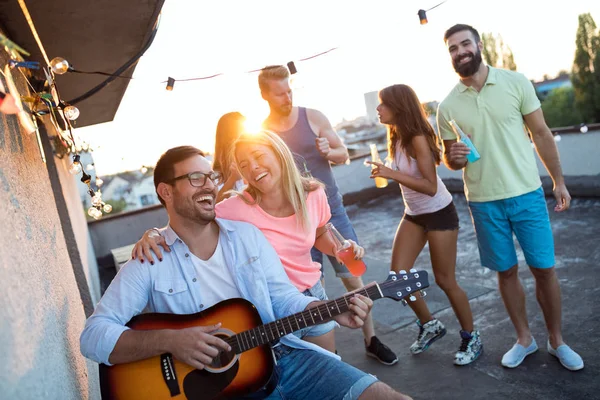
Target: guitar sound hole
(225, 357)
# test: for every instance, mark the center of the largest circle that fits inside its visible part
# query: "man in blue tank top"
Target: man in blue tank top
(310, 136)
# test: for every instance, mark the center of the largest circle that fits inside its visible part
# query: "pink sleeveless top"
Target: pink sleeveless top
(417, 203)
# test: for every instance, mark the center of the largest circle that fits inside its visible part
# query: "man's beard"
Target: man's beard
(284, 110)
(470, 68)
(187, 209)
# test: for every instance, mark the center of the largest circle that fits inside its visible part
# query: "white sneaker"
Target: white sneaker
(567, 357)
(515, 356)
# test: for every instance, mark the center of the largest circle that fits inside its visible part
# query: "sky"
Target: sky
(379, 43)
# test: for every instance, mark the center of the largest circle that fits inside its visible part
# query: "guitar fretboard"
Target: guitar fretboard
(272, 331)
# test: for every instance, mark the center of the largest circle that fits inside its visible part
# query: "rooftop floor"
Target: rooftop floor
(432, 374)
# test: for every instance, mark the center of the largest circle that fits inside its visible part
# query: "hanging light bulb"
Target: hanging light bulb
(90, 167)
(94, 212)
(107, 208)
(97, 200)
(76, 166)
(71, 112)
(583, 128)
(97, 214)
(85, 146)
(170, 83)
(59, 65)
(143, 170)
(422, 17)
(99, 182)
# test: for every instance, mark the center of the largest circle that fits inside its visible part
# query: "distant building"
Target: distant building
(136, 188)
(543, 88)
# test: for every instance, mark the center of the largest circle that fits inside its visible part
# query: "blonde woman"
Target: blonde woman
(289, 209)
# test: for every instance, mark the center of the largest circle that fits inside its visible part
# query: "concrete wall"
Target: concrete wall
(41, 308)
(77, 218)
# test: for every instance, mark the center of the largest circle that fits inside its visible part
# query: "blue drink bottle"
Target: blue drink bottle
(473, 155)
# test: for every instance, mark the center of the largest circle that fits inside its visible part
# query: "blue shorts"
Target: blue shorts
(317, 330)
(525, 215)
(307, 374)
(342, 223)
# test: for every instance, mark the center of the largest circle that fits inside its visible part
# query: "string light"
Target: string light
(52, 100)
(76, 165)
(292, 67)
(170, 83)
(71, 112)
(422, 17)
(60, 66)
(423, 13)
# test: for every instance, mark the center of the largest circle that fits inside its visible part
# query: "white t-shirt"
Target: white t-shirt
(216, 282)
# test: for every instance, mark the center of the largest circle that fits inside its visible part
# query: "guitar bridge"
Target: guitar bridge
(168, 373)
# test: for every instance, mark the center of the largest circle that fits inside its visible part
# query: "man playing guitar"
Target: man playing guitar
(212, 260)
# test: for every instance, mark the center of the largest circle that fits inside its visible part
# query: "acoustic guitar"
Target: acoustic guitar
(249, 365)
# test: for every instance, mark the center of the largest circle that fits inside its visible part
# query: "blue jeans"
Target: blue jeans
(342, 223)
(525, 215)
(317, 291)
(306, 374)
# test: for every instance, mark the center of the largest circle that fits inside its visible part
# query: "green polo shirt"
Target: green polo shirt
(493, 118)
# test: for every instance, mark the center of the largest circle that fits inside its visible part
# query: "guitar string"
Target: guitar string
(321, 308)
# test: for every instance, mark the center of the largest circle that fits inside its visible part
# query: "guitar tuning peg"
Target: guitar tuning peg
(392, 273)
(402, 272)
(412, 270)
(413, 298)
(404, 303)
(423, 293)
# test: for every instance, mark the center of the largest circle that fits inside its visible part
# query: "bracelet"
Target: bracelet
(155, 230)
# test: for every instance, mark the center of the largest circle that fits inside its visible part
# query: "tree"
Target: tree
(496, 53)
(559, 108)
(586, 69)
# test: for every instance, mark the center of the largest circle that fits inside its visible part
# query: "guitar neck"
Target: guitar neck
(275, 330)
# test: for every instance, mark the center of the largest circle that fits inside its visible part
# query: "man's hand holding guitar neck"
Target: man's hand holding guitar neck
(354, 318)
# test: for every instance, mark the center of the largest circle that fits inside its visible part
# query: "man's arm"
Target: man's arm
(126, 297)
(105, 338)
(548, 152)
(328, 142)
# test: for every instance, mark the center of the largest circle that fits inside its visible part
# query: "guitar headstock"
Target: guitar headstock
(402, 285)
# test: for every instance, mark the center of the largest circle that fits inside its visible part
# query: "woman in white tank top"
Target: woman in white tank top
(429, 215)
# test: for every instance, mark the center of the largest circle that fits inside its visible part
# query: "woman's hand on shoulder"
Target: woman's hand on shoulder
(151, 240)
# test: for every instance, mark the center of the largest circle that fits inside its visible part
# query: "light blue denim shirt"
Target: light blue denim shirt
(171, 286)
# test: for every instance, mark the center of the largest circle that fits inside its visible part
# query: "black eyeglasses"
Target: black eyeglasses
(198, 179)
